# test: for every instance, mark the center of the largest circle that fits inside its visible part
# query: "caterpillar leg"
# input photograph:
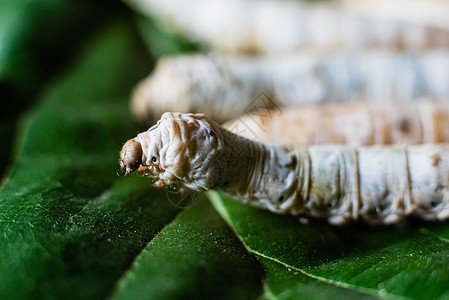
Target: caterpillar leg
(160, 183)
(184, 190)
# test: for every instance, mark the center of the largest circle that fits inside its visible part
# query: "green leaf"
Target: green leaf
(69, 226)
(159, 40)
(195, 257)
(285, 282)
(37, 39)
(386, 262)
(34, 37)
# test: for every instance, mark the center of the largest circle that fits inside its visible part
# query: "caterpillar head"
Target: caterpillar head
(142, 154)
(131, 156)
(180, 147)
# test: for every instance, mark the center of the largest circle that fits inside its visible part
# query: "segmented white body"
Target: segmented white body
(224, 87)
(356, 124)
(215, 85)
(269, 26)
(432, 13)
(340, 183)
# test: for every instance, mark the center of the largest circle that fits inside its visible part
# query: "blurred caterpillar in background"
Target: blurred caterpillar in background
(269, 26)
(224, 87)
(358, 123)
(341, 183)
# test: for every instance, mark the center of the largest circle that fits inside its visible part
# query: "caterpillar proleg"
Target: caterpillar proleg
(223, 87)
(339, 183)
(358, 123)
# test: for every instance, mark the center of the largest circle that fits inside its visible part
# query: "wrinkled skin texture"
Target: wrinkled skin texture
(180, 147)
(340, 183)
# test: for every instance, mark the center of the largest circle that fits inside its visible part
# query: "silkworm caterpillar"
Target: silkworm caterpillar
(340, 183)
(224, 87)
(279, 26)
(359, 123)
(431, 13)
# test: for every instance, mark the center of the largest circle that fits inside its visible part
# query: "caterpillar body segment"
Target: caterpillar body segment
(218, 86)
(341, 183)
(419, 12)
(358, 123)
(223, 87)
(281, 26)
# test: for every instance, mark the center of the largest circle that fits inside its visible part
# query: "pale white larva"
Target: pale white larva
(340, 183)
(356, 124)
(224, 87)
(270, 26)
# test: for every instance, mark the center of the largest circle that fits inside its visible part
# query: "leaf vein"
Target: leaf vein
(427, 232)
(123, 277)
